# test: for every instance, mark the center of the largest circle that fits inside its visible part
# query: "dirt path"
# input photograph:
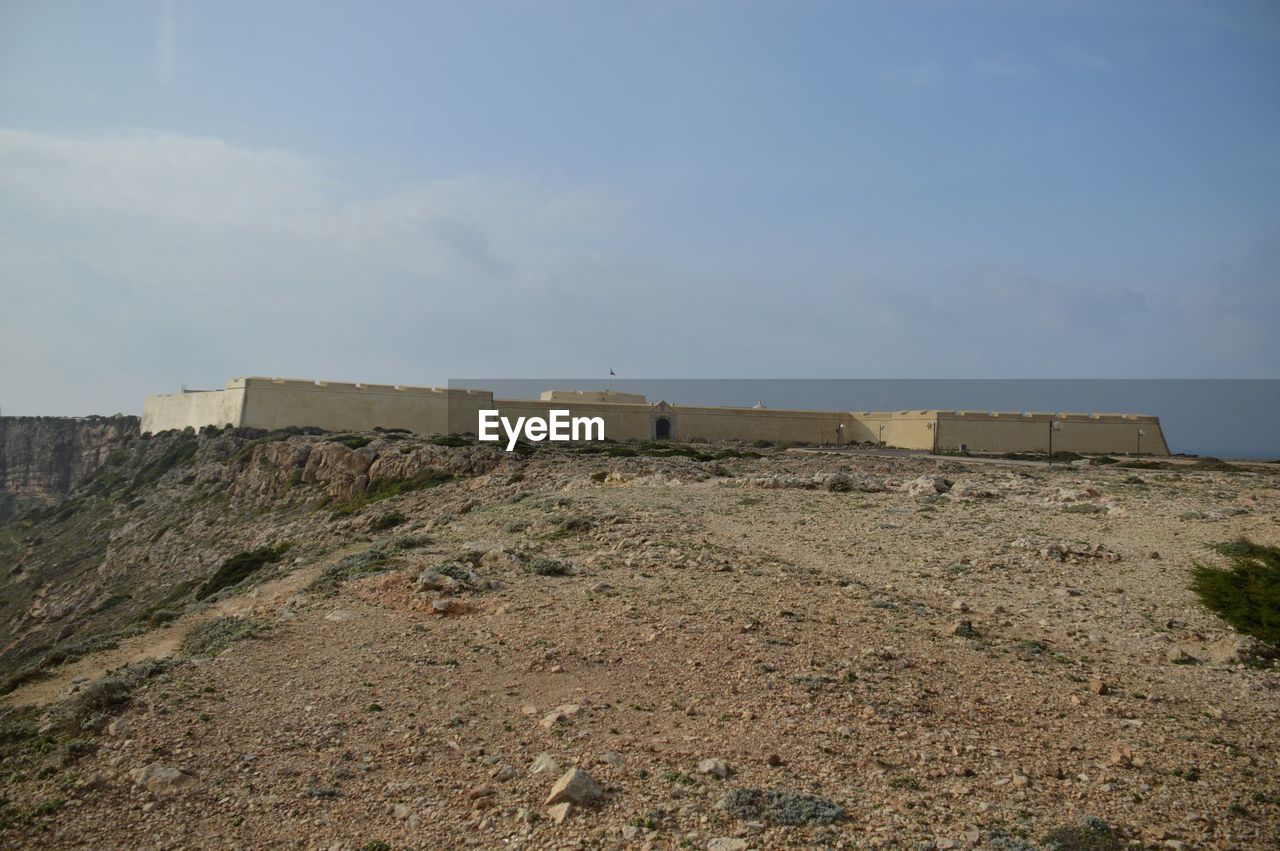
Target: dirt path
(268, 598)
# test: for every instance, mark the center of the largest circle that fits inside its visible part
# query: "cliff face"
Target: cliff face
(43, 458)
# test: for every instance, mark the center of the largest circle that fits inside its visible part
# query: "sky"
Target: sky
(408, 192)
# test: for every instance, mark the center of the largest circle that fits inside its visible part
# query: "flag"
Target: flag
(611, 372)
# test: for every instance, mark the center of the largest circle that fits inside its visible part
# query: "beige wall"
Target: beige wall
(195, 408)
(270, 403)
(1013, 432)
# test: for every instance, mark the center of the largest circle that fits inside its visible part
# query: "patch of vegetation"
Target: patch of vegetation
(599, 475)
(376, 559)
(448, 440)
(543, 566)
(352, 441)
(779, 807)
(1191, 775)
(1139, 464)
(904, 782)
(1084, 508)
(386, 521)
(1210, 464)
(1092, 834)
(1247, 593)
(212, 637)
(380, 489)
(239, 566)
(92, 706)
(678, 777)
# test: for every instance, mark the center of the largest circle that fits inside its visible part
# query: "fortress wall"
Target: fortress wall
(273, 403)
(196, 409)
(750, 424)
(1014, 432)
(621, 422)
(898, 429)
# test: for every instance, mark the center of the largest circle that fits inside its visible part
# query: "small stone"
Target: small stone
(1099, 687)
(773, 760)
(554, 718)
(1021, 781)
(481, 791)
(560, 812)
(631, 833)
(544, 764)
(577, 786)
(505, 773)
(119, 727)
(443, 606)
(614, 760)
(1178, 656)
(717, 767)
(557, 669)
(960, 606)
(161, 779)
(400, 812)
(727, 843)
(964, 629)
(1122, 757)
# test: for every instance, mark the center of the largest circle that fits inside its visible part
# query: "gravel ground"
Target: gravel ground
(949, 670)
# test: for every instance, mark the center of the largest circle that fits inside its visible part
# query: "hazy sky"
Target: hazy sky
(409, 192)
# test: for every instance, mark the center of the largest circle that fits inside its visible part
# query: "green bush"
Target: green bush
(238, 567)
(779, 807)
(1092, 834)
(1247, 593)
(543, 566)
(212, 637)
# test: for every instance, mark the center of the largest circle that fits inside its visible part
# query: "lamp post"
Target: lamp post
(1054, 425)
(1141, 433)
(882, 434)
(839, 434)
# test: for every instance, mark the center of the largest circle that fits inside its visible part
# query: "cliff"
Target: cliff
(43, 458)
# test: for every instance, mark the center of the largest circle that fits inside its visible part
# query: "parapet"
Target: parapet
(584, 396)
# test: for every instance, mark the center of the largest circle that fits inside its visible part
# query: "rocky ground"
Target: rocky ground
(585, 651)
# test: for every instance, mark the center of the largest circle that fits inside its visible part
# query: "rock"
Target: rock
(481, 791)
(553, 718)
(614, 760)
(544, 764)
(505, 773)
(400, 812)
(341, 615)
(717, 767)
(1122, 757)
(119, 727)
(161, 779)
(631, 833)
(1020, 781)
(1228, 651)
(444, 605)
(727, 843)
(973, 490)
(773, 760)
(560, 812)
(959, 606)
(1099, 687)
(575, 786)
(965, 629)
(926, 485)
(1178, 656)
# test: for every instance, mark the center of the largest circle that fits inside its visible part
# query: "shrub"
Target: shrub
(238, 567)
(353, 441)
(91, 706)
(1247, 593)
(543, 566)
(780, 807)
(373, 560)
(212, 637)
(1092, 834)
(387, 521)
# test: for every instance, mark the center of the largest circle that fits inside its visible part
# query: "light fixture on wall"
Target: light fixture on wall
(1054, 425)
(1142, 432)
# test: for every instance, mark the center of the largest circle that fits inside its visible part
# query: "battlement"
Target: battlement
(275, 403)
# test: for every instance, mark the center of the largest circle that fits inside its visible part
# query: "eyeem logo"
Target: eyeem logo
(560, 427)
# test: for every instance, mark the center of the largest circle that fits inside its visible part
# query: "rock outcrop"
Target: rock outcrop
(43, 458)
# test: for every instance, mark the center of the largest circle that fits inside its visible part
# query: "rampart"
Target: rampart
(273, 403)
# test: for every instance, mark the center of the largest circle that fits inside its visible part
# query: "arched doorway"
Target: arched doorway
(662, 429)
